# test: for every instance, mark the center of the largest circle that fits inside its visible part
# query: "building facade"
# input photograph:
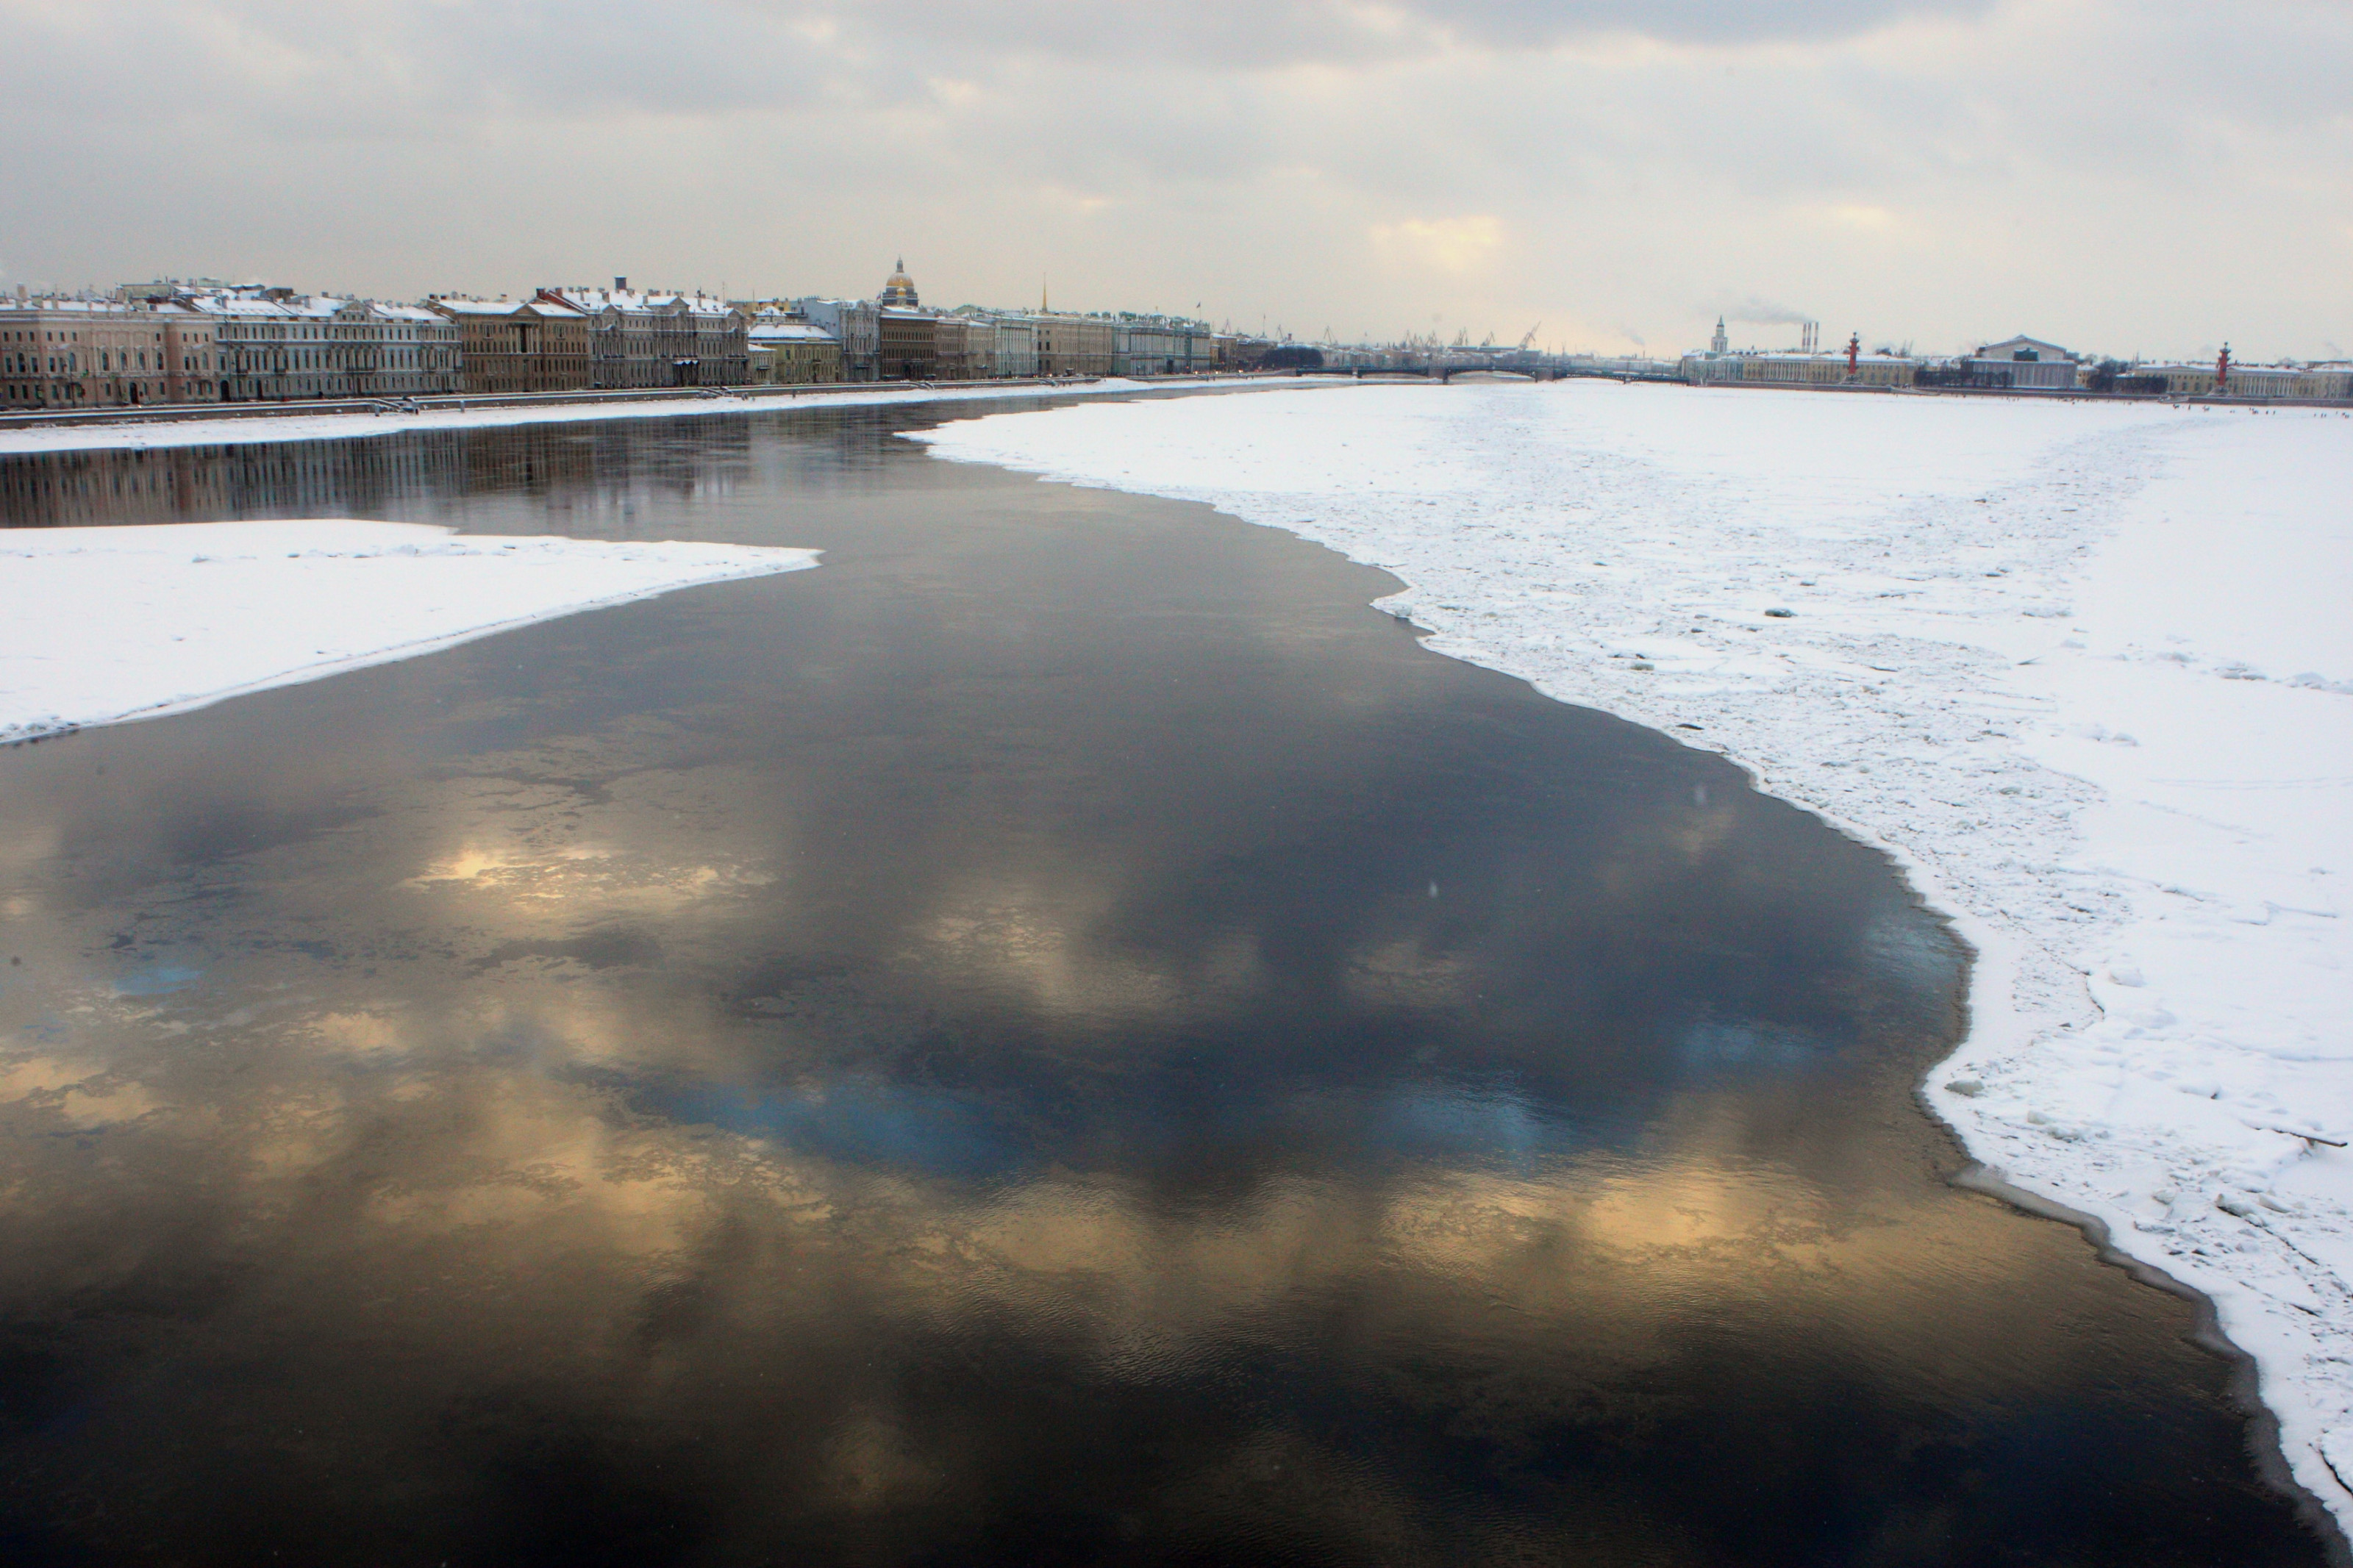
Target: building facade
(2025, 365)
(1014, 346)
(276, 344)
(1162, 346)
(517, 345)
(659, 340)
(909, 344)
(1075, 345)
(2328, 381)
(1797, 370)
(952, 346)
(787, 353)
(857, 326)
(99, 354)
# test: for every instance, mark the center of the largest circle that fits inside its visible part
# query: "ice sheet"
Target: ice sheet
(109, 624)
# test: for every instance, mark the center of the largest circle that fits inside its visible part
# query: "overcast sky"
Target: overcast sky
(2149, 176)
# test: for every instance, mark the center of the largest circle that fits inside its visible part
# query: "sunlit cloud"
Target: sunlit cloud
(1450, 245)
(1326, 161)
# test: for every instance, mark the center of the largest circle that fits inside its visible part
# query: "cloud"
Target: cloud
(1280, 33)
(1359, 163)
(1447, 244)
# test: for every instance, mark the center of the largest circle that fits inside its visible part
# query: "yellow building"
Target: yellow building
(787, 353)
(1075, 345)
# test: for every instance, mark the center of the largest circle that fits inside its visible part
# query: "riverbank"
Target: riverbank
(137, 429)
(2079, 667)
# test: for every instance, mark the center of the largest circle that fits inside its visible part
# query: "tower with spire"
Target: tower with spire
(1717, 344)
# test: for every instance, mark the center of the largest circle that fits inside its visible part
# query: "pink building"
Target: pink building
(98, 353)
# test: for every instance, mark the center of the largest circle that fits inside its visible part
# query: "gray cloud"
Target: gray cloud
(1257, 33)
(1935, 169)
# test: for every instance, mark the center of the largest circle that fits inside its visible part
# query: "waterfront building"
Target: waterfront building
(2333, 380)
(402, 351)
(787, 351)
(639, 339)
(517, 345)
(908, 345)
(1716, 367)
(963, 347)
(1075, 345)
(276, 344)
(2024, 364)
(856, 325)
(1794, 369)
(1014, 346)
(1158, 345)
(1829, 370)
(97, 354)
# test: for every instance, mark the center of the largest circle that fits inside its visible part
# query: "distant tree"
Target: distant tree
(2104, 376)
(1293, 356)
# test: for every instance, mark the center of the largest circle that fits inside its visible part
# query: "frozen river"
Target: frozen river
(1059, 1035)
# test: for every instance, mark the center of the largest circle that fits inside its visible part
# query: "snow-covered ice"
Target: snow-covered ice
(108, 624)
(2086, 669)
(136, 436)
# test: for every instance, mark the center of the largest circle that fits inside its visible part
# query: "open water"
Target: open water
(1059, 1037)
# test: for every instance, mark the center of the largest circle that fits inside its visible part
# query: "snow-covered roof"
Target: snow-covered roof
(788, 331)
(639, 299)
(75, 307)
(2009, 346)
(2206, 367)
(496, 307)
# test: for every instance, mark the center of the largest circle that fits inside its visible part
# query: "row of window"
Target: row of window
(74, 392)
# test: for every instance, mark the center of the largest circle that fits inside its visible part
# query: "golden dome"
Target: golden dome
(900, 289)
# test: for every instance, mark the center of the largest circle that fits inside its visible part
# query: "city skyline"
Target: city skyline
(2150, 180)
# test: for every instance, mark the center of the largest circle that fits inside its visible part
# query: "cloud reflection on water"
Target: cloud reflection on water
(885, 1068)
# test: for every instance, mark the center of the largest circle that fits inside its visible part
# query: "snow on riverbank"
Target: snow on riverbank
(299, 426)
(108, 624)
(2085, 668)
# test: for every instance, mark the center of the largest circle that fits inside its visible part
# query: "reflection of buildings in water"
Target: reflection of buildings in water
(592, 469)
(591, 478)
(66, 490)
(192, 484)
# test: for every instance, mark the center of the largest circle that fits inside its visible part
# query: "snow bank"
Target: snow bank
(109, 624)
(2086, 669)
(347, 426)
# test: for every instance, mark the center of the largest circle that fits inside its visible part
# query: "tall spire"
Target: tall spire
(1042, 309)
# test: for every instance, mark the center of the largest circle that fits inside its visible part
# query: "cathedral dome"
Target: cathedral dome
(900, 289)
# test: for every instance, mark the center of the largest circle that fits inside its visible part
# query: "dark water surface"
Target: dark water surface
(1059, 1036)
